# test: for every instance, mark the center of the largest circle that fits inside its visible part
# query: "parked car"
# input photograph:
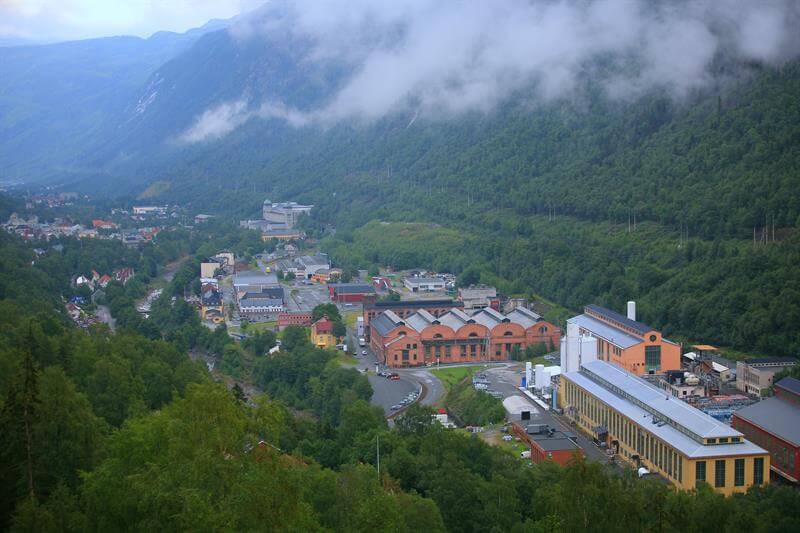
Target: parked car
(396, 407)
(394, 377)
(508, 438)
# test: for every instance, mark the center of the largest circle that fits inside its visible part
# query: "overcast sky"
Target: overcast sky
(54, 20)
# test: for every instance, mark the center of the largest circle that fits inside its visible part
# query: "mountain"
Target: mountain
(687, 203)
(58, 100)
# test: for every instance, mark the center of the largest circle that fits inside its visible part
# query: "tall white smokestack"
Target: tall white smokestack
(632, 310)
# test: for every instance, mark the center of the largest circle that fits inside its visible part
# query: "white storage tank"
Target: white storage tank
(539, 377)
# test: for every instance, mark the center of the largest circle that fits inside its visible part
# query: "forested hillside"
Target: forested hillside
(657, 201)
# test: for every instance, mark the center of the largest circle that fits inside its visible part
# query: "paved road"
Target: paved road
(386, 393)
(434, 388)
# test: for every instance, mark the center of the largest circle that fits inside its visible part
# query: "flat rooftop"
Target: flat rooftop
(683, 426)
(555, 442)
(774, 415)
(605, 331)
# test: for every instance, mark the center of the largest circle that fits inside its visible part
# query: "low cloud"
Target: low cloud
(227, 116)
(444, 58)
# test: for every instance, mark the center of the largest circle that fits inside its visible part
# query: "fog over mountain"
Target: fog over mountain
(446, 58)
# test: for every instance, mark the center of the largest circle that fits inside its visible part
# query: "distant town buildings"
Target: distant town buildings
(283, 213)
(279, 220)
(478, 297)
(487, 335)
(305, 266)
(209, 269)
(350, 292)
(258, 296)
(774, 424)
(657, 432)
(424, 284)
(754, 376)
(212, 305)
(326, 275)
(145, 210)
(632, 345)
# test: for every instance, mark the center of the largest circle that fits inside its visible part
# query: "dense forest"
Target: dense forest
(123, 431)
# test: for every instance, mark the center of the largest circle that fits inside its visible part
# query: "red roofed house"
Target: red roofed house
(103, 224)
(123, 274)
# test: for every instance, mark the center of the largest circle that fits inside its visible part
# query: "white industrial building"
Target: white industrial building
(576, 349)
(421, 284)
(285, 213)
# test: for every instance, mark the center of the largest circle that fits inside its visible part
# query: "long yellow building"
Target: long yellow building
(650, 429)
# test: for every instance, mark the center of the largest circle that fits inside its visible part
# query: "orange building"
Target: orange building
(634, 346)
(456, 337)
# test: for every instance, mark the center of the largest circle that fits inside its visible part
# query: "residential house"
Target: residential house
(322, 333)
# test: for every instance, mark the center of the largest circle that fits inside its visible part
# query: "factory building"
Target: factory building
(632, 345)
(774, 424)
(349, 292)
(456, 337)
(283, 215)
(650, 429)
(404, 309)
(754, 376)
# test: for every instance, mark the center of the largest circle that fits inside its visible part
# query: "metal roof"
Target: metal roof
(770, 361)
(605, 331)
(254, 278)
(666, 432)
(557, 442)
(420, 280)
(639, 327)
(414, 304)
(790, 384)
(353, 288)
(515, 404)
(775, 415)
(382, 324)
(485, 318)
(418, 322)
(527, 319)
(265, 292)
(260, 302)
(451, 320)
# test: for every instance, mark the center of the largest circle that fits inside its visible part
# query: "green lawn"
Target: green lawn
(350, 318)
(449, 376)
(346, 359)
(260, 326)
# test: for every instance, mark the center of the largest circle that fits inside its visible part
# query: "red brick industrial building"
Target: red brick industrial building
(774, 424)
(455, 337)
(294, 319)
(405, 308)
(548, 445)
